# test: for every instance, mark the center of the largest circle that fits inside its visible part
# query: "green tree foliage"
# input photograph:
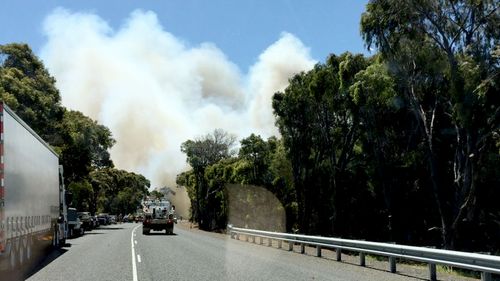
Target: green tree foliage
(255, 150)
(260, 164)
(201, 153)
(85, 147)
(117, 191)
(442, 55)
(27, 87)
(83, 144)
(156, 194)
(391, 157)
(319, 123)
(82, 195)
(265, 164)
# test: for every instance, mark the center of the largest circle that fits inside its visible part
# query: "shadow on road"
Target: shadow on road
(38, 263)
(32, 267)
(111, 228)
(94, 233)
(160, 234)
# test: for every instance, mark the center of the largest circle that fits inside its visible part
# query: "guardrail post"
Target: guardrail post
(486, 276)
(486, 265)
(432, 272)
(392, 264)
(362, 259)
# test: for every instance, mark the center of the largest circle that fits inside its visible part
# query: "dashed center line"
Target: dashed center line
(138, 258)
(134, 266)
(135, 241)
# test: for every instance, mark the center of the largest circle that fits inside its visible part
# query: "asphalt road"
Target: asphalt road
(122, 252)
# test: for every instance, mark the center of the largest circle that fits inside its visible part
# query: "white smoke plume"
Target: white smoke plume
(154, 91)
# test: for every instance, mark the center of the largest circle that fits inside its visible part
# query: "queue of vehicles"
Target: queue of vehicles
(34, 213)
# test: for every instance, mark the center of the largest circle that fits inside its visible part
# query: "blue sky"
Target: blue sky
(241, 29)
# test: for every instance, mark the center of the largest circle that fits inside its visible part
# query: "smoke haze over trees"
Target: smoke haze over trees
(140, 80)
(83, 144)
(401, 146)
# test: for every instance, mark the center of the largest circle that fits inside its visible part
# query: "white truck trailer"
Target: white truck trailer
(32, 197)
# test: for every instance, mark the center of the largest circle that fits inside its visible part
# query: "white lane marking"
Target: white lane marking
(139, 258)
(134, 266)
(135, 242)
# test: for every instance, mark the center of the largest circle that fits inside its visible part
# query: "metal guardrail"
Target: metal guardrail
(486, 264)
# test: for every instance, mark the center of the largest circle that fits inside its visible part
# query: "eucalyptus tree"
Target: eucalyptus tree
(27, 87)
(319, 122)
(201, 153)
(442, 54)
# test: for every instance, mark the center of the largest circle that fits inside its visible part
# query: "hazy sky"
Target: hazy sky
(158, 73)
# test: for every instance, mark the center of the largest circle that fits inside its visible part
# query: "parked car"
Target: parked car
(131, 218)
(95, 222)
(74, 224)
(112, 219)
(103, 219)
(86, 220)
(139, 218)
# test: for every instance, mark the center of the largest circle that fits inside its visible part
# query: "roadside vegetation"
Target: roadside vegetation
(401, 146)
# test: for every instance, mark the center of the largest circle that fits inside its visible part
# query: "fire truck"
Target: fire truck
(158, 215)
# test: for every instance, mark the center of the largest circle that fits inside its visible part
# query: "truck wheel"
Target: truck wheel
(55, 239)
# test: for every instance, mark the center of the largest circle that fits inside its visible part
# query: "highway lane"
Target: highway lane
(106, 254)
(194, 255)
(101, 254)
